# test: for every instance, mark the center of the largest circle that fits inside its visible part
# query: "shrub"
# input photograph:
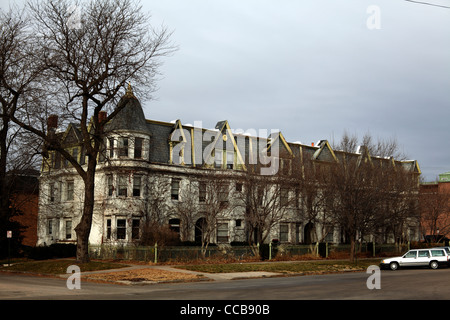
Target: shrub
(56, 250)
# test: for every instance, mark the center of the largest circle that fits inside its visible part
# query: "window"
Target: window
(49, 227)
(138, 142)
(284, 232)
(423, 254)
(330, 231)
(223, 193)
(70, 187)
(68, 229)
(230, 159)
(222, 232)
(123, 149)
(123, 186)
(52, 192)
(60, 189)
(202, 192)
(175, 189)
(135, 229)
(284, 197)
(111, 147)
(238, 223)
(108, 229)
(82, 156)
(285, 166)
(218, 155)
(174, 225)
(110, 185)
(102, 151)
(121, 229)
(75, 154)
(239, 187)
(410, 254)
(57, 160)
(437, 253)
(137, 186)
(260, 196)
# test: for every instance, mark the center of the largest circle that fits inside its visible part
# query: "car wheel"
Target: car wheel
(434, 265)
(393, 265)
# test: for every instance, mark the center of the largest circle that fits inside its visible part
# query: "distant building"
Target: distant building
(153, 166)
(435, 209)
(24, 198)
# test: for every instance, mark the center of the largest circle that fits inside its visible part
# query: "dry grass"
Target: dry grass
(145, 274)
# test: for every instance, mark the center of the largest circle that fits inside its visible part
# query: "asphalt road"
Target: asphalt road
(423, 284)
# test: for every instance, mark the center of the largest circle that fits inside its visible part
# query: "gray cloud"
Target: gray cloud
(313, 70)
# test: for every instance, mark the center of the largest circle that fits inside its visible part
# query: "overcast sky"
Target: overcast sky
(312, 69)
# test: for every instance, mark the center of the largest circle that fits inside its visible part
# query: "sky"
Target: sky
(312, 69)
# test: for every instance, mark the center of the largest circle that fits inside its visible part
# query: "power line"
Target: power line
(429, 4)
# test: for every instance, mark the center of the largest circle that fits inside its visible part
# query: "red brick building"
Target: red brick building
(25, 198)
(435, 208)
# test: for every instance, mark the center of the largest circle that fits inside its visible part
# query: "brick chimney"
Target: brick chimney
(52, 122)
(102, 115)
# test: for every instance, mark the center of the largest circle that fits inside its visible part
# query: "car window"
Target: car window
(424, 253)
(437, 253)
(410, 254)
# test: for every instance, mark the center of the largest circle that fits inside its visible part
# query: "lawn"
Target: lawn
(320, 266)
(58, 266)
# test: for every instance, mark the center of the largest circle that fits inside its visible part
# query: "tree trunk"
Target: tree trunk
(352, 249)
(83, 229)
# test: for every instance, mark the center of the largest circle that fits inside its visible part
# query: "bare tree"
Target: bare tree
(87, 64)
(266, 200)
(434, 210)
(187, 208)
(368, 192)
(214, 207)
(17, 81)
(156, 206)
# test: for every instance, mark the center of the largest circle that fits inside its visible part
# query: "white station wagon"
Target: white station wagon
(432, 257)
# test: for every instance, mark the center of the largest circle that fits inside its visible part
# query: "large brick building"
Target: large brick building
(159, 168)
(435, 209)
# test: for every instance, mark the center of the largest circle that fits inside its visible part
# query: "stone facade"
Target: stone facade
(157, 167)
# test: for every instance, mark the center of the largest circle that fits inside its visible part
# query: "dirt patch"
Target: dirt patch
(145, 275)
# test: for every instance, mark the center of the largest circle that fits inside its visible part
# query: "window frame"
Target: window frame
(175, 185)
(70, 190)
(121, 230)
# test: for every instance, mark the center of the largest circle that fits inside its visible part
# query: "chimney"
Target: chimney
(102, 115)
(52, 122)
(312, 144)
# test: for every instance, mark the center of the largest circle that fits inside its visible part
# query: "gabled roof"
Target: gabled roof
(179, 132)
(224, 134)
(325, 152)
(275, 138)
(72, 135)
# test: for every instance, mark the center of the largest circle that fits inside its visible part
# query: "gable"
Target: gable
(71, 136)
(325, 153)
(284, 148)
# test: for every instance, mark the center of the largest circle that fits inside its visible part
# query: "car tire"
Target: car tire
(393, 266)
(434, 265)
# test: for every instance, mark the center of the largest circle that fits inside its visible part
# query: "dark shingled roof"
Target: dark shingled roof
(131, 117)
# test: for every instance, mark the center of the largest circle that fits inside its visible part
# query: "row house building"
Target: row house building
(179, 175)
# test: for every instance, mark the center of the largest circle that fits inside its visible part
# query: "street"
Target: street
(423, 284)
